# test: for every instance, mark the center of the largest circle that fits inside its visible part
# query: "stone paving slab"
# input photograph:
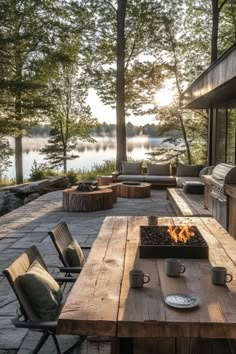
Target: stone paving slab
(29, 225)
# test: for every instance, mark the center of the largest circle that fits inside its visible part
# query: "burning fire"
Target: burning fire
(180, 233)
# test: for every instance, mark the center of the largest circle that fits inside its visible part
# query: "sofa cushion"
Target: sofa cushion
(188, 170)
(158, 169)
(160, 179)
(42, 291)
(181, 180)
(137, 178)
(131, 168)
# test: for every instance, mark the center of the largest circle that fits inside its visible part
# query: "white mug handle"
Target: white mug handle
(147, 278)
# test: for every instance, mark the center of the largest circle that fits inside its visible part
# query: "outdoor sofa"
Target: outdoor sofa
(161, 174)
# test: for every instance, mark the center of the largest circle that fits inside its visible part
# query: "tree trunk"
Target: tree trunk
(215, 29)
(179, 114)
(18, 117)
(18, 159)
(65, 165)
(120, 86)
(185, 139)
(65, 161)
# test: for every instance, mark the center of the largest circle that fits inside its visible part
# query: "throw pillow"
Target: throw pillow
(131, 168)
(188, 170)
(42, 290)
(74, 255)
(159, 170)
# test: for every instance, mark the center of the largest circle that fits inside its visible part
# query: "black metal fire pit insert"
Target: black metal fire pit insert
(155, 242)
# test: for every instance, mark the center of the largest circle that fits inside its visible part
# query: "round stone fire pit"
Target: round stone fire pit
(130, 189)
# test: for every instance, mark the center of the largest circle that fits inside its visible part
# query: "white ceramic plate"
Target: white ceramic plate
(181, 301)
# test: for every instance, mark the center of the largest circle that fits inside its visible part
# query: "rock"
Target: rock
(58, 182)
(9, 202)
(31, 197)
(13, 197)
(33, 187)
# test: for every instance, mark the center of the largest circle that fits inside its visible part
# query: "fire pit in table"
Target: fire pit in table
(172, 242)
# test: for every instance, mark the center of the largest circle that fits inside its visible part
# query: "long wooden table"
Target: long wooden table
(102, 304)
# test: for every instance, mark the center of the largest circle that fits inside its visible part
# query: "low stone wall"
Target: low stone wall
(13, 197)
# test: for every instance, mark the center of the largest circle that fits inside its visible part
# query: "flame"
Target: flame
(180, 233)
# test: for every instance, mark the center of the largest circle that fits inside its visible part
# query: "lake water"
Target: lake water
(90, 153)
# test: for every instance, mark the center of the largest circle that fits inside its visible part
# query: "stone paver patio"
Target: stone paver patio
(29, 225)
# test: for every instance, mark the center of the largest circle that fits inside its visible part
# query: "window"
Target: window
(221, 129)
(231, 136)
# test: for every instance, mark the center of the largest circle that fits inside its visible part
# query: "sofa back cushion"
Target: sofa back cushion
(131, 168)
(158, 169)
(188, 170)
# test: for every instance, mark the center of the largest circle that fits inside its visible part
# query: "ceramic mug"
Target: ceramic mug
(219, 276)
(137, 278)
(174, 267)
(152, 220)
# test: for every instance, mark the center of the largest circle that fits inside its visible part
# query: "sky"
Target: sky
(107, 114)
(164, 97)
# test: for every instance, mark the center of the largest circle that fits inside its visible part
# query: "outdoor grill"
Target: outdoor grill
(222, 174)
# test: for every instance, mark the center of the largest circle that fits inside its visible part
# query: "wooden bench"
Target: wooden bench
(187, 204)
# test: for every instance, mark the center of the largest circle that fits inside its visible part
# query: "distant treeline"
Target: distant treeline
(104, 129)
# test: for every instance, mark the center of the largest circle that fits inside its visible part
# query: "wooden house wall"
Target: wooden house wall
(219, 75)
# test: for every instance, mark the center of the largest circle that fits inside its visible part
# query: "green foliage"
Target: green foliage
(106, 168)
(40, 171)
(144, 34)
(70, 116)
(72, 176)
(5, 153)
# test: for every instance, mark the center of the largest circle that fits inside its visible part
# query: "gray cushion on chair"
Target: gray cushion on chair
(42, 290)
(131, 168)
(158, 169)
(74, 255)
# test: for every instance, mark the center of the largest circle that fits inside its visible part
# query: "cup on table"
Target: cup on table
(174, 267)
(152, 220)
(137, 278)
(219, 276)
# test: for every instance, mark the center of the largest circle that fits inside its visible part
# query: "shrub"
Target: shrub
(40, 171)
(72, 177)
(106, 168)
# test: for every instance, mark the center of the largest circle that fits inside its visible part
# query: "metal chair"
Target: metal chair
(26, 316)
(62, 238)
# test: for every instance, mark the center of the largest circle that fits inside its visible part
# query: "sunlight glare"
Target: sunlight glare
(164, 97)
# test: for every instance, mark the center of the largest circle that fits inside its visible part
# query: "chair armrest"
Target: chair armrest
(34, 325)
(70, 269)
(65, 279)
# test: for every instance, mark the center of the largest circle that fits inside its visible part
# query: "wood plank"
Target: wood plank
(92, 305)
(187, 204)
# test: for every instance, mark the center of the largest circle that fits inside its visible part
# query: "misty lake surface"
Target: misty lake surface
(90, 153)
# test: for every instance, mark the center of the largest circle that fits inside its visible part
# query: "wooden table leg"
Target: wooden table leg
(121, 345)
